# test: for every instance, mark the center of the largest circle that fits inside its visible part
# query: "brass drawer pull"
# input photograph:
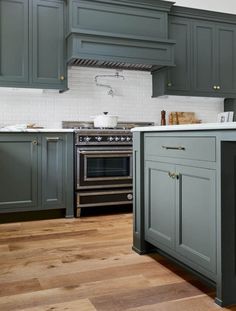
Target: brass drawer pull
(53, 138)
(173, 148)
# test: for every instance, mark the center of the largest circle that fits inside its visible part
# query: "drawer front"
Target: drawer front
(196, 148)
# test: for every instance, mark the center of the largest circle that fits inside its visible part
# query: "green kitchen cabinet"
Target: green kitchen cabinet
(195, 215)
(159, 207)
(19, 172)
(36, 172)
(180, 211)
(32, 44)
(204, 55)
(14, 44)
(47, 32)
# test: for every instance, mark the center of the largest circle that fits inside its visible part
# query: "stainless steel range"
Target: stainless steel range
(103, 164)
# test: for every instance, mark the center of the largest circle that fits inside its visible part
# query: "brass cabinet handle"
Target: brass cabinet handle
(173, 148)
(173, 175)
(35, 142)
(62, 78)
(53, 138)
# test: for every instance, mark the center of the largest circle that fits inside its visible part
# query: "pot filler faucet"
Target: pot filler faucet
(110, 91)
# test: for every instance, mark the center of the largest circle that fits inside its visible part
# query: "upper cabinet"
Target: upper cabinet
(32, 44)
(14, 45)
(205, 56)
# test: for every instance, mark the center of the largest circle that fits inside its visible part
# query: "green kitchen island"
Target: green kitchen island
(184, 199)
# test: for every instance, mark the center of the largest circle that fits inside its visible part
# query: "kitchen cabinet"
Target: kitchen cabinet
(36, 172)
(184, 207)
(19, 172)
(14, 44)
(32, 44)
(204, 56)
(180, 211)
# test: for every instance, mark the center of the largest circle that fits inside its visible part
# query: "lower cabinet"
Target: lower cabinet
(36, 172)
(180, 212)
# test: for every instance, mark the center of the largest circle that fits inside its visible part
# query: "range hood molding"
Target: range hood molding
(104, 33)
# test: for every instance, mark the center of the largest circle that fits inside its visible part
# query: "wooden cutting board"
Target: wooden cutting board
(177, 117)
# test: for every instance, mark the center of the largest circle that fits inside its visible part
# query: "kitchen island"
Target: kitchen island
(37, 171)
(184, 206)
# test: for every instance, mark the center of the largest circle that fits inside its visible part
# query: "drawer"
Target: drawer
(195, 148)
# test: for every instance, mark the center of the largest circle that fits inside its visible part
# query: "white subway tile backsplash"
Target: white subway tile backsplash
(132, 101)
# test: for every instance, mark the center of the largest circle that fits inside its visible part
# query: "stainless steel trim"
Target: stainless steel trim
(104, 193)
(173, 148)
(104, 186)
(101, 152)
(104, 204)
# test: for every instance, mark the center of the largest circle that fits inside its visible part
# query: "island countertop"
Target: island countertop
(187, 127)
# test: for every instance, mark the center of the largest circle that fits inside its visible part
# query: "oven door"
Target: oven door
(102, 167)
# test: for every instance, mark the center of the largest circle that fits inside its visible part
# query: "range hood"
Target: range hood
(119, 34)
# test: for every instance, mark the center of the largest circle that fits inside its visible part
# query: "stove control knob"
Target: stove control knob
(117, 138)
(122, 139)
(99, 138)
(110, 138)
(128, 139)
(87, 139)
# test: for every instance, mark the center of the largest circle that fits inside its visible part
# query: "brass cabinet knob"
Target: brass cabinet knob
(169, 84)
(62, 78)
(215, 87)
(218, 87)
(34, 142)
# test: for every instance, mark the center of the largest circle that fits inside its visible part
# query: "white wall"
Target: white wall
(227, 6)
(133, 101)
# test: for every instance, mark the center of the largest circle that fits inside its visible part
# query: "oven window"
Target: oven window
(108, 167)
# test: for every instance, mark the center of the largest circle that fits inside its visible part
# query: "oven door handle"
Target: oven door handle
(105, 152)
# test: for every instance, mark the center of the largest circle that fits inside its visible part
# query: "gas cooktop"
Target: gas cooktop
(88, 125)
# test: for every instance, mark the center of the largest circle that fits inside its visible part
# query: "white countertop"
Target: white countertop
(7, 130)
(187, 127)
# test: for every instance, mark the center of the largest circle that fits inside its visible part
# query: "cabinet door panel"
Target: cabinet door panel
(226, 65)
(48, 42)
(196, 216)
(18, 178)
(14, 41)
(204, 66)
(159, 204)
(53, 169)
(179, 76)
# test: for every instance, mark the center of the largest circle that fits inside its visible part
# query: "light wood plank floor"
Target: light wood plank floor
(86, 265)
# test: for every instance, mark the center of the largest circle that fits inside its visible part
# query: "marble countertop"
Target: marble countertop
(188, 127)
(9, 130)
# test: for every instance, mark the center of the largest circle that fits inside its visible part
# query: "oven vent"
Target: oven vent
(110, 64)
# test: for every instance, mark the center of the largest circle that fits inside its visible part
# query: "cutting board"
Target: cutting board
(177, 117)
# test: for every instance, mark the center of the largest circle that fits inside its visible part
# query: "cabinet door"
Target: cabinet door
(226, 58)
(159, 204)
(48, 43)
(19, 172)
(13, 41)
(196, 216)
(53, 169)
(179, 76)
(204, 57)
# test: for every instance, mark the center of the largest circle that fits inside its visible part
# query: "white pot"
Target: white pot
(105, 121)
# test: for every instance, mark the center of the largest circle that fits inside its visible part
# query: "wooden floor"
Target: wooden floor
(87, 264)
